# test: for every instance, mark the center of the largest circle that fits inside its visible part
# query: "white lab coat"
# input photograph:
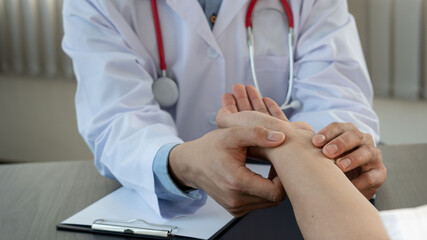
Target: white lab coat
(113, 47)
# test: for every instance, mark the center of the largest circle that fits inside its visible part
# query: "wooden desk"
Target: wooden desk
(34, 197)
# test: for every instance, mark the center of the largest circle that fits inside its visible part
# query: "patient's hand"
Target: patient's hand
(244, 107)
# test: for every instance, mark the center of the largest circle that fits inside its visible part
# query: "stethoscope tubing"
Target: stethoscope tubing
(287, 104)
(291, 68)
(159, 37)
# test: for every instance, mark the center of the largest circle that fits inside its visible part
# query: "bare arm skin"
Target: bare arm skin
(325, 202)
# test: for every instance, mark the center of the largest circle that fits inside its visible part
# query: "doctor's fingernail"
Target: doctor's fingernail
(319, 138)
(275, 136)
(345, 163)
(332, 149)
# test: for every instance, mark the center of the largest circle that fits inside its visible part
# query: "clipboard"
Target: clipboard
(126, 233)
(137, 220)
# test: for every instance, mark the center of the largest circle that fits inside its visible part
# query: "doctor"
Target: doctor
(167, 152)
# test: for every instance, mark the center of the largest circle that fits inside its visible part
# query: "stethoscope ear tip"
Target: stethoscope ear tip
(294, 104)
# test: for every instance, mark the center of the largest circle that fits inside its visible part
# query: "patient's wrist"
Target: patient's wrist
(297, 141)
(297, 145)
(280, 153)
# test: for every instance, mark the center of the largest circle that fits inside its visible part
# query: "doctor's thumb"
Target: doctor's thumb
(254, 137)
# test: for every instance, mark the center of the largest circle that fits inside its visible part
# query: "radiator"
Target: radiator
(393, 35)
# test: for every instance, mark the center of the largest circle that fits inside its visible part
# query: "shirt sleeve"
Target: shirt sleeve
(331, 76)
(165, 187)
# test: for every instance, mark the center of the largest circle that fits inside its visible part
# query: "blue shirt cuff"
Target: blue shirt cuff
(165, 187)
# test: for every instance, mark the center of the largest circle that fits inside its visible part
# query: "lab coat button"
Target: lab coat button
(212, 53)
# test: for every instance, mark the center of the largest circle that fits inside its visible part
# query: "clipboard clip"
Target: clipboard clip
(157, 230)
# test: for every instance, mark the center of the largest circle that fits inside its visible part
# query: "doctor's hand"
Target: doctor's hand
(216, 164)
(355, 154)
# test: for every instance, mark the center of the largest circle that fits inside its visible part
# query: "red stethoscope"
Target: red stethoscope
(166, 91)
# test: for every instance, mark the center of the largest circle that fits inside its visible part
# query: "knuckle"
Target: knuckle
(330, 129)
(373, 152)
(276, 196)
(231, 131)
(344, 139)
(369, 139)
(335, 125)
(358, 134)
(229, 134)
(341, 142)
(257, 132)
(351, 125)
(233, 203)
(233, 212)
(370, 179)
(370, 151)
(234, 185)
(356, 158)
(339, 126)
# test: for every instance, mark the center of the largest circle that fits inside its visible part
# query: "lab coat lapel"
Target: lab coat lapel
(192, 14)
(228, 11)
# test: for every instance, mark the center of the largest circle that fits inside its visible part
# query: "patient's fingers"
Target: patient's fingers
(274, 109)
(229, 103)
(239, 92)
(255, 100)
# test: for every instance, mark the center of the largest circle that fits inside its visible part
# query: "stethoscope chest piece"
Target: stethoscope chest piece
(165, 91)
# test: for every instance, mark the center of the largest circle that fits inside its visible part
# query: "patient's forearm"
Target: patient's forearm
(326, 204)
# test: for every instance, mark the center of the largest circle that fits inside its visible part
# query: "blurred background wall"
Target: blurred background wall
(37, 115)
(37, 85)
